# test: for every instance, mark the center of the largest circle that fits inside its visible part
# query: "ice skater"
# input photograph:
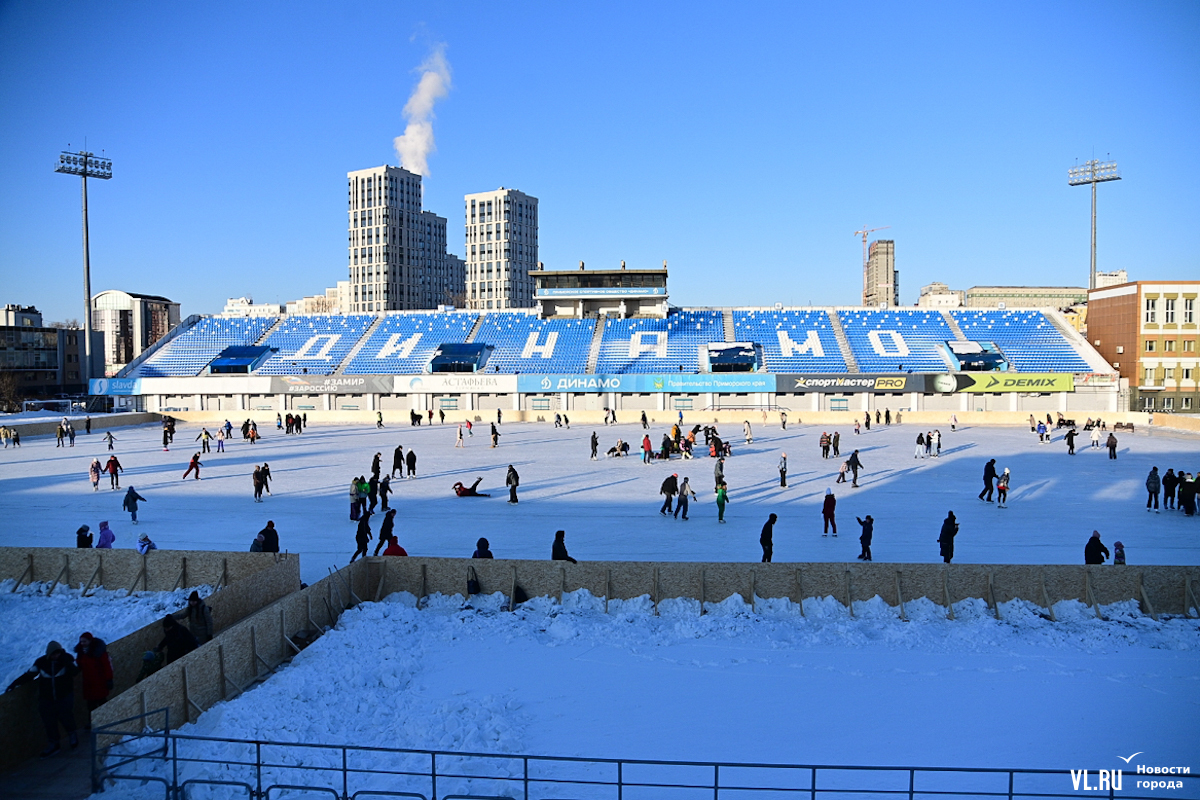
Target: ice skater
(868, 530)
(1002, 489)
(468, 491)
(362, 536)
(669, 488)
(766, 539)
(946, 537)
(130, 503)
(512, 481)
(828, 509)
(193, 465)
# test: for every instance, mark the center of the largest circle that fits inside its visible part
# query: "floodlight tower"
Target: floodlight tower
(1093, 172)
(86, 165)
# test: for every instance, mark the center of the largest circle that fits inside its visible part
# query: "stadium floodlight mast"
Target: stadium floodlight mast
(1093, 172)
(85, 165)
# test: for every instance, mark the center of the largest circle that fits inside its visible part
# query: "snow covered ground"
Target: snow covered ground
(609, 507)
(731, 685)
(29, 618)
(772, 686)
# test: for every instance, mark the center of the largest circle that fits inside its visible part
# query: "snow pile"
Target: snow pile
(29, 618)
(736, 685)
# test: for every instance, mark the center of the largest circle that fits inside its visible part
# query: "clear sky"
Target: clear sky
(742, 142)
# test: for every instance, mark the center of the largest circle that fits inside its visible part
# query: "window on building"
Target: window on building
(1149, 377)
(1185, 373)
(1186, 404)
(1151, 345)
(1151, 315)
(1169, 310)
(1169, 346)
(1189, 345)
(1189, 311)
(1168, 403)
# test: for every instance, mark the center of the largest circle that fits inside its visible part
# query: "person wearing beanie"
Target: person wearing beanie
(1118, 553)
(270, 538)
(828, 507)
(94, 470)
(256, 546)
(54, 674)
(107, 537)
(198, 616)
(144, 545)
(1094, 552)
(83, 539)
(482, 549)
(152, 662)
(91, 654)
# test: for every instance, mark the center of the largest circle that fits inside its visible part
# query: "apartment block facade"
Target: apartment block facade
(397, 256)
(881, 279)
(501, 249)
(1149, 331)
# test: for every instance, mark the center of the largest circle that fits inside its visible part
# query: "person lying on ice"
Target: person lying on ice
(468, 491)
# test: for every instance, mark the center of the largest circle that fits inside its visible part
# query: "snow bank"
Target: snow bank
(29, 618)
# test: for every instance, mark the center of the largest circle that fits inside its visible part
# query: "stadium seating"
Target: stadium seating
(313, 345)
(687, 332)
(1029, 341)
(190, 351)
(897, 340)
(764, 327)
(509, 333)
(392, 338)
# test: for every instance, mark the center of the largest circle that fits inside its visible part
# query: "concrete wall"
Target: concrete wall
(100, 423)
(713, 582)
(254, 580)
(245, 652)
(1178, 422)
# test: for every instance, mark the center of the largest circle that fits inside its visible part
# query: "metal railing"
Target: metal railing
(262, 770)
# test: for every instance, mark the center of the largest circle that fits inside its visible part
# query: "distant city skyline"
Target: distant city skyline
(745, 150)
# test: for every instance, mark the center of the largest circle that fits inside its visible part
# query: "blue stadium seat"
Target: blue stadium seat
(659, 345)
(787, 340)
(526, 344)
(1029, 341)
(391, 349)
(190, 351)
(897, 340)
(313, 344)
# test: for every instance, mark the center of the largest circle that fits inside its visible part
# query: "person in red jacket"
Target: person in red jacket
(91, 654)
(394, 548)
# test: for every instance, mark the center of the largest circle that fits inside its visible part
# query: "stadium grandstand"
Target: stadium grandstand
(815, 359)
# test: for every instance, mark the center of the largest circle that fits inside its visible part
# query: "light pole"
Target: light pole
(86, 165)
(1093, 172)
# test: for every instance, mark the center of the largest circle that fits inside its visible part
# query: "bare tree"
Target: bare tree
(72, 324)
(10, 395)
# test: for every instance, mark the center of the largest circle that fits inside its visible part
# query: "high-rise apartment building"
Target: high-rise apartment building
(131, 323)
(501, 249)
(397, 252)
(881, 279)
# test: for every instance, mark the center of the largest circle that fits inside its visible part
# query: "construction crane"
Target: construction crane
(865, 232)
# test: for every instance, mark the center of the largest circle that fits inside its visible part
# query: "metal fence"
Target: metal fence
(187, 767)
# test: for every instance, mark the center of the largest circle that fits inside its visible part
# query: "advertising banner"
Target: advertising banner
(115, 386)
(606, 291)
(983, 382)
(332, 384)
(683, 383)
(456, 383)
(849, 384)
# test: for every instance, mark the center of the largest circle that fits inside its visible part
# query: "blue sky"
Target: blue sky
(743, 143)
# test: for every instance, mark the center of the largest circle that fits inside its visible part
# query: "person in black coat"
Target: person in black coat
(270, 540)
(595, 444)
(83, 539)
(1169, 482)
(1094, 552)
(946, 538)
(868, 530)
(363, 535)
(177, 640)
(559, 551)
(481, 549)
(385, 530)
(55, 676)
(670, 488)
(410, 459)
(989, 475)
(1070, 439)
(767, 539)
(398, 460)
(512, 481)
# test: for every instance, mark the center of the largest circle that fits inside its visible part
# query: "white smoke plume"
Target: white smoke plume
(416, 145)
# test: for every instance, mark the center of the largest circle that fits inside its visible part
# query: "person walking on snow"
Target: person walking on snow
(194, 464)
(512, 481)
(458, 440)
(645, 423)
(767, 539)
(647, 449)
(989, 475)
(836, 442)
(868, 529)
(669, 488)
(54, 674)
(94, 470)
(495, 433)
(746, 431)
(378, 419)
(1069, 438)
(595, 444)
(946, 537)
(685, 493)
(828, 508)
(91, 654)
(1153, 486)
(824, 444)
(130, 503)
(783, 471)
(1112, 446)
(920, 451)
